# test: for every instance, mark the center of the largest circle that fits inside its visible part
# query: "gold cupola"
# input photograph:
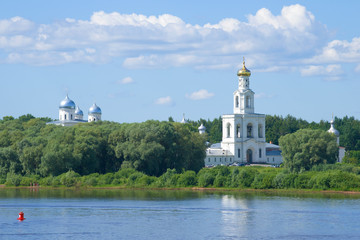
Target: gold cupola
(244, 72)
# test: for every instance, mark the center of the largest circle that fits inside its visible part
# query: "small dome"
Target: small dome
(244, 71)
(183, 119)
(67, 103)
(78, 111)
(94, 109)
(202, 127)
(333, 130)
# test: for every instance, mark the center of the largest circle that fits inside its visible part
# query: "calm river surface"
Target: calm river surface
(142, 214)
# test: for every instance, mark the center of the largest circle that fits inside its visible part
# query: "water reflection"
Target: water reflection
(236, 216)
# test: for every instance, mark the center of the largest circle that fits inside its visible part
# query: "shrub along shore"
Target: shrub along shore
(334, 177)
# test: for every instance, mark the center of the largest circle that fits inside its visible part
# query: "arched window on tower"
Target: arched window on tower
(260, 131)
(228, 128)
(64, 116)
(238, 130)
(248, 102)
(237, 101)
(249, 130)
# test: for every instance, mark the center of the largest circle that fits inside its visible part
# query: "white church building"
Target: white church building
(243, 133)
(70, 114)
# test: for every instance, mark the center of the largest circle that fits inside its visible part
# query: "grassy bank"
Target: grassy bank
(324, 177)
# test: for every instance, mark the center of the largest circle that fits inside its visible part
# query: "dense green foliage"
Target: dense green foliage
(30, 147)
(305, 148)
(339, 177)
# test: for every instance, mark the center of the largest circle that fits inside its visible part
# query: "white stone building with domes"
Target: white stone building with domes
(243, 139)
(70, 114)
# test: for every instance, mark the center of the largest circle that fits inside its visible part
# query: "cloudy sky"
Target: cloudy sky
(141, 60)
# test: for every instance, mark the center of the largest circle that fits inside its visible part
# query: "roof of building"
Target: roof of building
(271, 145)
(78, 111)
(94, 109)
(333, 130)
(202, 127)
(244, 71)
(67, 103)
(218, 152)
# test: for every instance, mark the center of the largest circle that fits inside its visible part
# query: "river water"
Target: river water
(142, 214)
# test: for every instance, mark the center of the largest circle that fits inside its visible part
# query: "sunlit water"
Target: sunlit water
(140, 214)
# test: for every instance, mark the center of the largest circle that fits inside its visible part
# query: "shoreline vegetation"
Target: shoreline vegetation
(326, 178)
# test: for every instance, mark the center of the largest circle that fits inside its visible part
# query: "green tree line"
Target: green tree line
(28, 146)
(339, 177)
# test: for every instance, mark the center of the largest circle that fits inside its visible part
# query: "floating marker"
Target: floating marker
(21, 216)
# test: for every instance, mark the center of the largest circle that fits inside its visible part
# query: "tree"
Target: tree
(305, 148)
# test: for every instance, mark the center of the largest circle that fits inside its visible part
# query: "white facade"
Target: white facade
(243, 139)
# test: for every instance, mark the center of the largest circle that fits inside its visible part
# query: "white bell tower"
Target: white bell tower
(244, 96)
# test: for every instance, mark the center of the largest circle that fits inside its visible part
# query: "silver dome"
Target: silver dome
(78, 111)
(333, 130)
(94, 109)
(202, 127)
(67, 103)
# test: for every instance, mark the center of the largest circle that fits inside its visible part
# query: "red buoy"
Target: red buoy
(21, 216)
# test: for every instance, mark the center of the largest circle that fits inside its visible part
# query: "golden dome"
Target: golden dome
(244, 71)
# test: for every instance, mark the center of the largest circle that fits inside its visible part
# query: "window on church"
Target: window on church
(228, 129)
(238, 130)
(230, 160)
(214, 159)
(259, 152)
(238, 152)
(248, 102)
(249, 130)
(71, 117)
(209, 160)
(220, 159)
(65, 117)
(260, 131)
(237, 101)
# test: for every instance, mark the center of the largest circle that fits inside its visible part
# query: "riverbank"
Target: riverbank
(329, 178)
(195, 189)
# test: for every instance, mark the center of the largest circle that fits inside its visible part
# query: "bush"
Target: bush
(263, 181)
(320, 180)
(106, 179)
(168, 179)
(13, 179)
(145, 180)
(246, 176)
(187, 179)
(283, 180)
(124, 173)
(134, 177)
(69, 178)
(303, 180)
(205, 178)
(220, 181)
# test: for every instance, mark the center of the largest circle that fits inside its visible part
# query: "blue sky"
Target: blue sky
(141, 60)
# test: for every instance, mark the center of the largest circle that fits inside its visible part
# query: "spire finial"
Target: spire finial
(243, 61)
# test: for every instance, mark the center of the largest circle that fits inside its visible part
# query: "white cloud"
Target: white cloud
(339, 51)
(331, 72)
(164, 101)
(140, 41)
(126, 80)
(199, 95)
(263, 95)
